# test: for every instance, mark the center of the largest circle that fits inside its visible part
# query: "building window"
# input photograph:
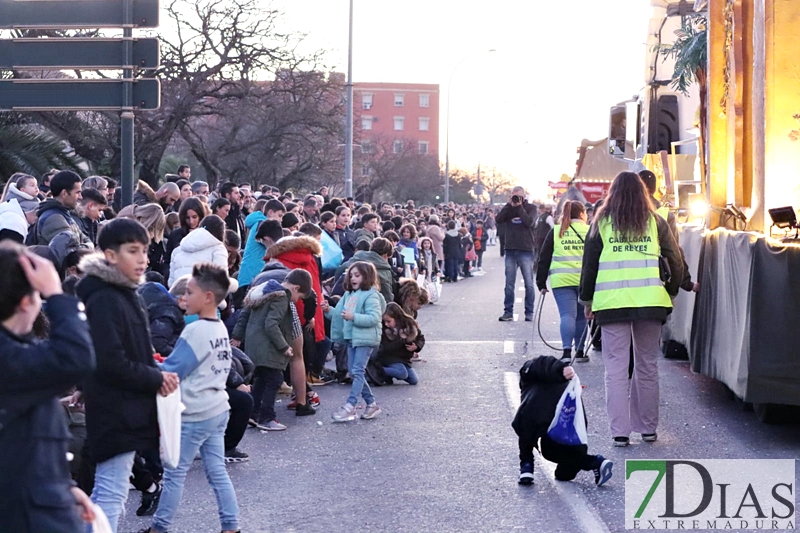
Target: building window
(366, 148)
(399, 99)
(366, 123)
(424, 100)
(399, 122)
(397, 146)
(423, 147)
(424, 123)
(365, 171)
(366, 101)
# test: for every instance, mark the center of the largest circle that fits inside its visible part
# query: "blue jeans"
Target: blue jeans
(111, 486)
(208, 437)
(573, 319)
(401, 372)
(357, 359)
(524, 261)
(451, 268)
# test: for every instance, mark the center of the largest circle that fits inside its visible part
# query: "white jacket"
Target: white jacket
(197, 247)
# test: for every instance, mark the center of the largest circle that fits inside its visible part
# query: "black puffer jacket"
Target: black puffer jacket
(241, 369)
(34, 473)
(541, 382)
(121, 394)
(166, 318)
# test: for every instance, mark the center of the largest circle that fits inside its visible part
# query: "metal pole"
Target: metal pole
(348, 155)
(126, 116)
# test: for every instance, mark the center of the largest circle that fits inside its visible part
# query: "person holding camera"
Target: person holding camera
(518, 216)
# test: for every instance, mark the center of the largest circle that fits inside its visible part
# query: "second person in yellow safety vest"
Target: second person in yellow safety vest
(560, 260)
(622, 288)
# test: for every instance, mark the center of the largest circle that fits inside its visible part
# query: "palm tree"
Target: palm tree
(33, 150)
(690, 52)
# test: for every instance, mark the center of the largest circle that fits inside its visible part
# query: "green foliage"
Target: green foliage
(690, 51)
(33, 150)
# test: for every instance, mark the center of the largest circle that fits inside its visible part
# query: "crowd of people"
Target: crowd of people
(230, 294)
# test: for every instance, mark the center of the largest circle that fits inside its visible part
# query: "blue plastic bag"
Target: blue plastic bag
(569, 423)
(331, 253)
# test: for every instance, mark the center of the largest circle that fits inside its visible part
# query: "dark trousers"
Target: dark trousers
(451, 268)
(323, 347)
(570, 459)
(479, 262)
(241, 407)
(502, 239)
(340, 353)
(146, 469)
(266, 383)
(465, 269)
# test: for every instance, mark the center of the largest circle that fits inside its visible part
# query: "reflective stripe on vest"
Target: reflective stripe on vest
(565, 267)
(628, 275)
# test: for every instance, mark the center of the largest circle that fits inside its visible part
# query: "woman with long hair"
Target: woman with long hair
(152, 217)
(622, 288)
(560, 260)
(191, 213)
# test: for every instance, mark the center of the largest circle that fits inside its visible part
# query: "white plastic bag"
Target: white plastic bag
(101, 523)
(169, 422)
(569, 423)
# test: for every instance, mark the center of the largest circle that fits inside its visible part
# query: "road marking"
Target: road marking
(508, 346)
(519, 300)
(584, 513)
(516, 317)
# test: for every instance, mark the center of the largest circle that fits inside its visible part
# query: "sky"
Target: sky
(557, 68)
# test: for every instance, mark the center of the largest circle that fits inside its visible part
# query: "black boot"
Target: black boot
(581, 357)
(567, 356)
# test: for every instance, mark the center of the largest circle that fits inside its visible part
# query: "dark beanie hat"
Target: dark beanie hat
(289, 220)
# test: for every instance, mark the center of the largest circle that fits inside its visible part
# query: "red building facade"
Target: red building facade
(397, 113)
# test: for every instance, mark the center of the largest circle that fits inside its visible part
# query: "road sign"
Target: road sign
(76, 95)
(94, 53)
(62, 14)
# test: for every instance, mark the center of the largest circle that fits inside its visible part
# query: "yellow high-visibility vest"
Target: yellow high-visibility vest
(663, 211)
(628, 274)
(565, 268)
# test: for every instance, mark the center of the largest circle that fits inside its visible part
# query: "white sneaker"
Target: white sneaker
(345, 414)
(272, 425)
(371, 411)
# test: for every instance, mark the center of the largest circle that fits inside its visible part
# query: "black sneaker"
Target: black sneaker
(236, 456)
(304, 410)
(581, 357)
(528, 318)
(649, 437)
(507, 317)
(621, 442)
(149, 502)
(566, 356)
(525, 474)
(602, 470)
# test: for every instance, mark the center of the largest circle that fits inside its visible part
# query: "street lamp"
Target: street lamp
(348, 156)
(447, 134)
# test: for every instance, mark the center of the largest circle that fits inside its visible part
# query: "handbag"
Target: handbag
(170, 408)
(433, 291)
(569, 423)
(471, 255)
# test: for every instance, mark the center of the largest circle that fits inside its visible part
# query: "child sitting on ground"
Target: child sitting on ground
(202, 360)
(542, 382)
(400, 341)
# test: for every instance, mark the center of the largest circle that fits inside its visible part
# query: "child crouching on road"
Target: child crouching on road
(542, 382)
(202, 360)
(401, 340)
(356, 321)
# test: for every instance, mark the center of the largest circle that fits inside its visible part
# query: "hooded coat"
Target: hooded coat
(26, 201)
(541, 382)
(381, 265)
(254, 251)
(121, 394)
(265, 325)
(301, 252)
(197, 247)
(53, 219)
(394, 344)
(166, 318)
(144, 194)
(436, 234)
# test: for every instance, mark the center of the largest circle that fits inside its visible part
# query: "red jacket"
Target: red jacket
(302, 252)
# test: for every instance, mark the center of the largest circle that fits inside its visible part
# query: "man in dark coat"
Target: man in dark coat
(542, 381)
(518, 216)
(34, 439)
(165, 317)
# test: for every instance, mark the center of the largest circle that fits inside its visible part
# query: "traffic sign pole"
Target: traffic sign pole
(126, 117)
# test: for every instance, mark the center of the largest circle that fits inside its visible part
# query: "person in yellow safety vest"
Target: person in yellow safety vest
(560, 259)
(621, 288)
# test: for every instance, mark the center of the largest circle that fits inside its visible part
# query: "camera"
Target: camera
(517, 199)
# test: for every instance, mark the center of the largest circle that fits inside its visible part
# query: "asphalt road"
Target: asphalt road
(443, 458)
